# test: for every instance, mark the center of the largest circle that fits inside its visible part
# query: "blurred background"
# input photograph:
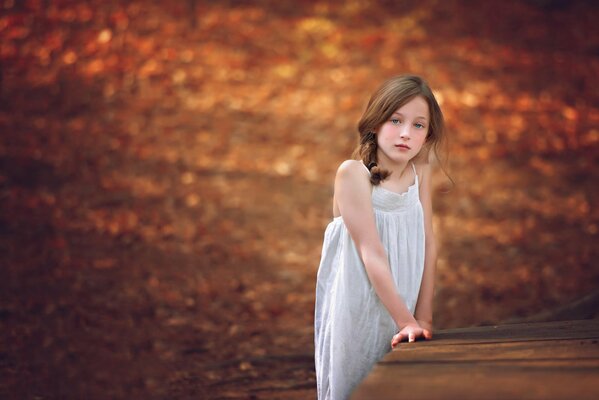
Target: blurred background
(166, 175)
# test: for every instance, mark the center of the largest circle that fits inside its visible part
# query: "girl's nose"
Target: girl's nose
(405, 131)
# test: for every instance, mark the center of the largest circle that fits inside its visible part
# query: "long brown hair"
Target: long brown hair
(390, 96)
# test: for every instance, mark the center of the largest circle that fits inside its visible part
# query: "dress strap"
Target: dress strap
(371, 185)
(414, 168)
(364, 165)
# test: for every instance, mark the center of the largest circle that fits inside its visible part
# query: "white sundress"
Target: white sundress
(352, 327)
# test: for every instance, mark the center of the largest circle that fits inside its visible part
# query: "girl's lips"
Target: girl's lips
(403, 146)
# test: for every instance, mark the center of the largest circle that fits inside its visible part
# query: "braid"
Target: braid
(367, 152)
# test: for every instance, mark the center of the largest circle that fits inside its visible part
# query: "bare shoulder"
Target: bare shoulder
(352, 167)
(423, 169)
(352, 191)
(353, 173)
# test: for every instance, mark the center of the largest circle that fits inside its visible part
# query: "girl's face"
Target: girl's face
(401, 137)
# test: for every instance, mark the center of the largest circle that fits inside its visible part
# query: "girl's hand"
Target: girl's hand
(411, 332)
(427, 326)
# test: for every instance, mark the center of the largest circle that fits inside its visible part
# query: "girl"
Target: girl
(377, 265)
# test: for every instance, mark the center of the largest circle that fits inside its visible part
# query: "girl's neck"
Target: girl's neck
(397, 168)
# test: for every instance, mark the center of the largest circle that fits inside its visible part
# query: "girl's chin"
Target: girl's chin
(399, 157)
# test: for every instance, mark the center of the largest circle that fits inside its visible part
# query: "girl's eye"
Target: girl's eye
(395, 121)
(419, 125)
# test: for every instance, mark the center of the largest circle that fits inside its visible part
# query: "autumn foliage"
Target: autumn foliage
(166, 175)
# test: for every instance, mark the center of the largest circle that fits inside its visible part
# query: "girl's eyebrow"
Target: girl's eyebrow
(401, 115)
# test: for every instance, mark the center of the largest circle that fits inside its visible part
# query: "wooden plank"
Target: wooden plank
(577, 329)
(552, 360)
(481, 381)
(562, 349)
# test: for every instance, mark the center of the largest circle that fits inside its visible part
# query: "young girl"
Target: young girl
(375, 280)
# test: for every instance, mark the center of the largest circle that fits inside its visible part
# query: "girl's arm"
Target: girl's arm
(353, 194)
(424, 305)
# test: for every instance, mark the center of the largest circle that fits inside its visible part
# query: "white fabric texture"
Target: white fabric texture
(352, 328)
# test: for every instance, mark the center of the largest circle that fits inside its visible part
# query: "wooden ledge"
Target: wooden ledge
(544, 360)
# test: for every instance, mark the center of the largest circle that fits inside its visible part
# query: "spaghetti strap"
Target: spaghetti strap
(415, 174)
(364, 165)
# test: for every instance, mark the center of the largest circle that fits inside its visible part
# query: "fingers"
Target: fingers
(396, 339)
(411, 336)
